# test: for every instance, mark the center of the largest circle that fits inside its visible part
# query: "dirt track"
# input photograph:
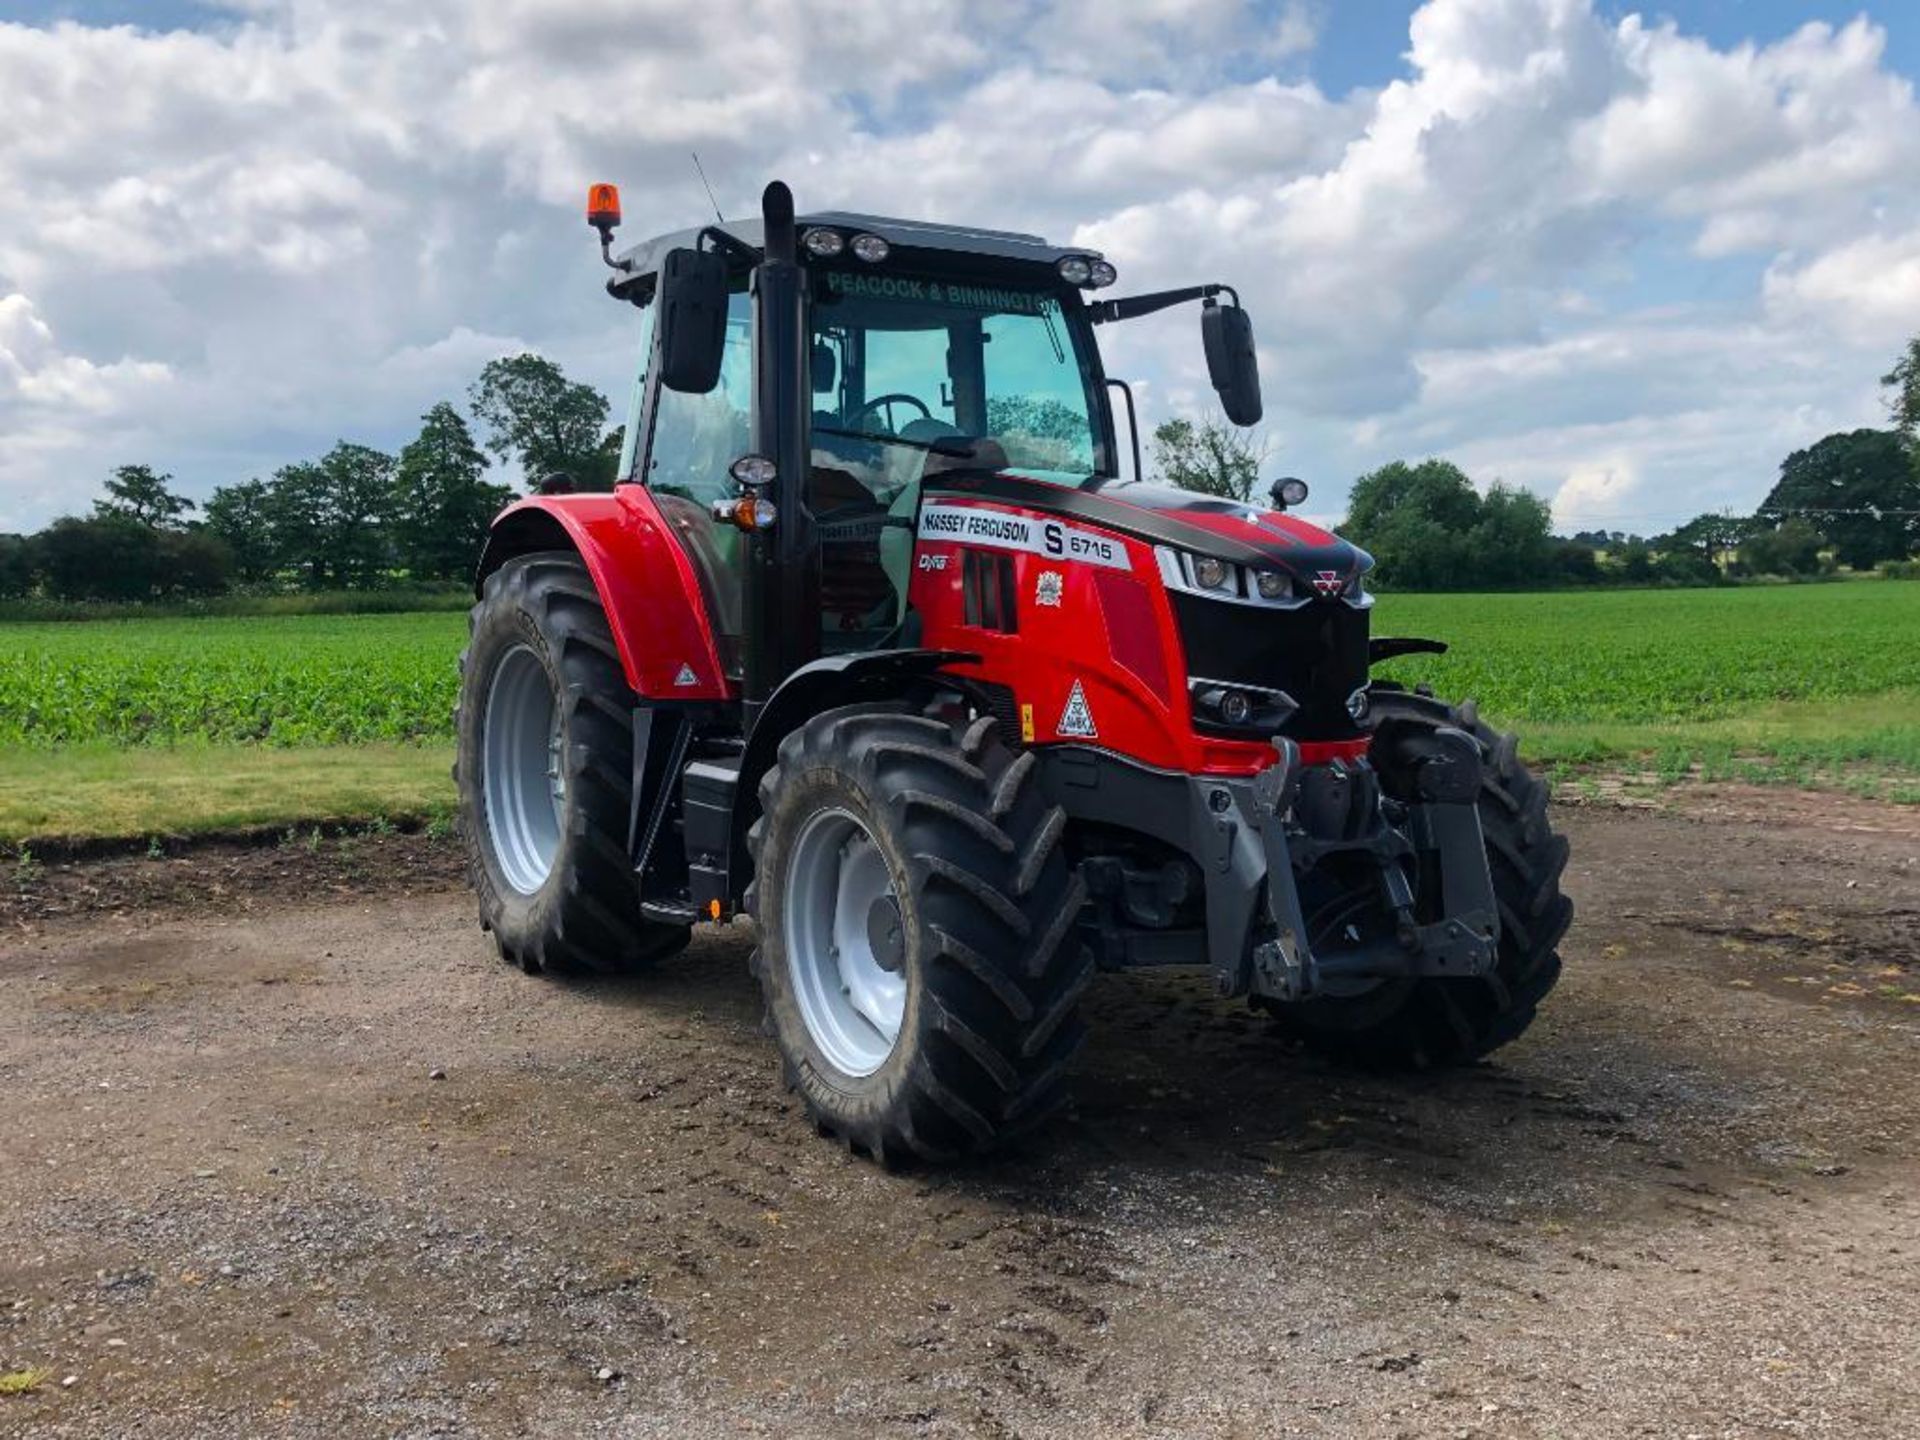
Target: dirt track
(235, 1203)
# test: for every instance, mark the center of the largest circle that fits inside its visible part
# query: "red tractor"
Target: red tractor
(873, 643)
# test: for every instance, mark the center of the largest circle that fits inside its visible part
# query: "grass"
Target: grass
(100, 792)
(1868, 746)
(24, 1382)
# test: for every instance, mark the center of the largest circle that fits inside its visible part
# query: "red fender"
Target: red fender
(645, 581)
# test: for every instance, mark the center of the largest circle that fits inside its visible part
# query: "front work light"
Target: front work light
(1289, 491)
(824, 243)
(870, 248)
(1102, 274)
(753, 471)
(1075, 270)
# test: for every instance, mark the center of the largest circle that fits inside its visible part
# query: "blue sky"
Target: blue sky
(1626, 257)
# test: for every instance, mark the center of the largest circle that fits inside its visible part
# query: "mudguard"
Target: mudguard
(645, 581)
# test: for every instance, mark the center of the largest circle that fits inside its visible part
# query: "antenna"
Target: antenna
(701, 172)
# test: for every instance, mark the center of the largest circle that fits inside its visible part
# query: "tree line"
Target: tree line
(1852, 499)
(355, 517)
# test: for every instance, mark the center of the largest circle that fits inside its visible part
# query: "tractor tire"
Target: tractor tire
(917, 949)
(1427, 1023)
(544, 771)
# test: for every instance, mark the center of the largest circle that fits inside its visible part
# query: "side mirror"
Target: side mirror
(823, 368)
(691, 330)
(1227, 336)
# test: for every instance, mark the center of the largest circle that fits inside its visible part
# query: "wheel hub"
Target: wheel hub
(523, 778)
(845, 942)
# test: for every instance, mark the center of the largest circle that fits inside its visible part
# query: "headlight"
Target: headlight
(1273, 585)
(1211, 573)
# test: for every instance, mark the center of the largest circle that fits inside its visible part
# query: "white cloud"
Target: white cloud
(318, 218)
(1869, 287)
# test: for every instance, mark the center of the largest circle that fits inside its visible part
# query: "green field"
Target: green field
(131, 726)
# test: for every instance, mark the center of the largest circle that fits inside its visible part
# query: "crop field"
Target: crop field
(1661, 655)
(1628, 656)
(275, 680)
(1807, 682)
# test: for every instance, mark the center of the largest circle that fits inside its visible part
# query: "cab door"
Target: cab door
(690, 441)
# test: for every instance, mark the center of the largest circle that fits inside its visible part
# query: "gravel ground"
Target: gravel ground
(289, 1153)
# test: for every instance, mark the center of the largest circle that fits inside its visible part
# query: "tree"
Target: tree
(1859, 488)
(194, 561)
(1709, 536)
(1904, 379)
(1792, 548)
(1433, 490)
(546, 422)
(1211, 458)
(329, 516)
(135, 493)
(241, 516)
(19, 566)
(442, 502)
(1576, 562)
(1634, 562)
(107, 557)
(1511, 545)
(1429, 529)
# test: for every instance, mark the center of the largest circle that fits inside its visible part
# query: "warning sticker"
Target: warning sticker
(1000, 530)
(686, 676)
(1077, 719)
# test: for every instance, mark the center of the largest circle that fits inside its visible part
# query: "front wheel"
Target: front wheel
(545, 769)
(915, 910)
(1429, 1022)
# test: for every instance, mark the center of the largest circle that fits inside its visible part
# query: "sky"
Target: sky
(1627, 258)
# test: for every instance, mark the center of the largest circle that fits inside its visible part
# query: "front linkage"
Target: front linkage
(1258, 842)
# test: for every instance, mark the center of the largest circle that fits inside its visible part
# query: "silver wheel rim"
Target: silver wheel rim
(522, 780)
(851, 1003)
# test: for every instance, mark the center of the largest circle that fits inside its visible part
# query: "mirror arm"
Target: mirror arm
(1129, 307)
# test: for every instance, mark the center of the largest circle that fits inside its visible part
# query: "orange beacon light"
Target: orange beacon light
(603, 207)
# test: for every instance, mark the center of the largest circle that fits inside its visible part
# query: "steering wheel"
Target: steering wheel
(887, 402)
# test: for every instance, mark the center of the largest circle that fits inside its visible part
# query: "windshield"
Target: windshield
(915, 365)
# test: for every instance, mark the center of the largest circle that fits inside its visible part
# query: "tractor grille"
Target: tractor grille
(1317, 654)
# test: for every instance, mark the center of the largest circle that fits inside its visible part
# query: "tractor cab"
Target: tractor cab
(925, 351)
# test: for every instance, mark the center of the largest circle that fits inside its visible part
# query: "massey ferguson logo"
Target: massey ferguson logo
(1327, 582)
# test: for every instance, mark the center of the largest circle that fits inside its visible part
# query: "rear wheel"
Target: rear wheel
(1430, 1022)
(915, 911)
(545, 771)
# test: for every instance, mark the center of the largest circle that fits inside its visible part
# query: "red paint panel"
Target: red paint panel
(648, 587)
(1134, 631)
